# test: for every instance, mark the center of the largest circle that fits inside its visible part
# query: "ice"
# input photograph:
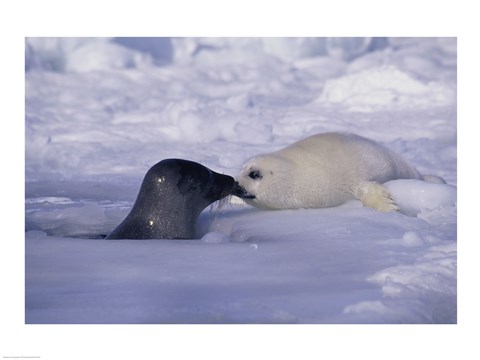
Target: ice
(349, 48)
(385, 87)
(160, 49)
(101, 111)
(72, 221)
(414, 196)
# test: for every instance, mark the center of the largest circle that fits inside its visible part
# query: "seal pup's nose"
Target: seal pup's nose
(239, 190)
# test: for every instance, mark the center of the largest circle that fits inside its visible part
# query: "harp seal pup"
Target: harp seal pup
(172, 195)
(325, 170)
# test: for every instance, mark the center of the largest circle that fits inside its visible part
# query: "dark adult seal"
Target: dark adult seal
(173, 194)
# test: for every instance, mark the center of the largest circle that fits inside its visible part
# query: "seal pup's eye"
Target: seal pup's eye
(255, 175)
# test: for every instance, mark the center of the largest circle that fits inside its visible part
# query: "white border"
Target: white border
(242, 18)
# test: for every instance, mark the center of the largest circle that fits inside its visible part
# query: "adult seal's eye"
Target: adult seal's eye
(255, 175)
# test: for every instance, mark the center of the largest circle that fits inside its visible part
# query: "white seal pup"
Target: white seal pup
(172, 195)
(325, 170)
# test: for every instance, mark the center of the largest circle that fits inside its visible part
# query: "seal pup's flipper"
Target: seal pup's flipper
(375, 196)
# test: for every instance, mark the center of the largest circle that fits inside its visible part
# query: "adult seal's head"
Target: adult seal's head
(173, 194)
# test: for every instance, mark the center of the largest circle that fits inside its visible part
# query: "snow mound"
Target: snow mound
(96, 56)
(79, 55)
(417, 196)
(385, 86)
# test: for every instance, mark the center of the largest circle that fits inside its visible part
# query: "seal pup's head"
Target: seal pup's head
(172, 195)
(266, 182)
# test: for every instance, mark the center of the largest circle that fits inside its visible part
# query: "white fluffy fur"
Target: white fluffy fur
(325, 170)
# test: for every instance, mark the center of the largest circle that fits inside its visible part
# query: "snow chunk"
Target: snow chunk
(74, 221)
(414, 196)
(411, 238)
(385, 86)
(103, 56)
(215, 237)
(58, 200)
(295, 48)
(347, 47)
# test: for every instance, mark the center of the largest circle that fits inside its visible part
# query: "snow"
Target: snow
(101, 111)
(385, 87)
(415, 197)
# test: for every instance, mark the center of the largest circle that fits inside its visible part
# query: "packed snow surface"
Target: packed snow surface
(101, 111)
